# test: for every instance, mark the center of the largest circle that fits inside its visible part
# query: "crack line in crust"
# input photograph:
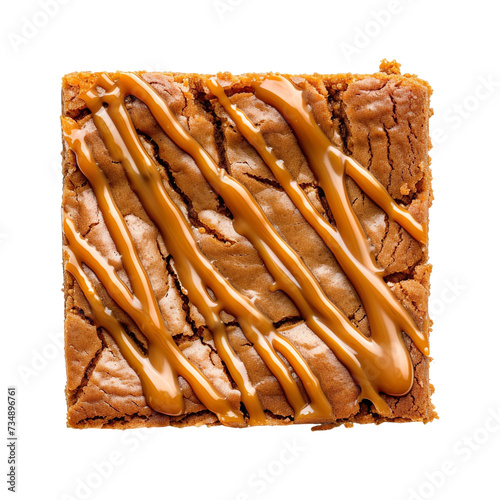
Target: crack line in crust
(192, 214)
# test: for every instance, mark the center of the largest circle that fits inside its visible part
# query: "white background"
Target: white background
(452, 44)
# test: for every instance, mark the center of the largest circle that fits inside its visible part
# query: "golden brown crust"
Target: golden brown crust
(380, 119)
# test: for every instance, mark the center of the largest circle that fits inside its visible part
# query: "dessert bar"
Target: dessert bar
(246, 250)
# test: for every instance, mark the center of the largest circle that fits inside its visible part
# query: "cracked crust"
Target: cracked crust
(381, 120)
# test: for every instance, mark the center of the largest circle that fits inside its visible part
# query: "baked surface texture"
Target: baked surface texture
(380, 120)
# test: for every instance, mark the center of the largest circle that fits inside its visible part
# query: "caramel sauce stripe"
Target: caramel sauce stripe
(289, 100)
(375, 369)
(386, 315)
(196, 273)
(171, 353)
(156, 384)
(141, 285)
(366, 282)
(163, 352)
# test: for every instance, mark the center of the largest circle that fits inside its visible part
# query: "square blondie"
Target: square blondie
(246, 250)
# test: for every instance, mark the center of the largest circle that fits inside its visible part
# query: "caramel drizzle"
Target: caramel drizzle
(331, 165)
(156, 384)
(167, 398)
(197, 273)
(386, 315)
(378, 363)
(165, 360)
